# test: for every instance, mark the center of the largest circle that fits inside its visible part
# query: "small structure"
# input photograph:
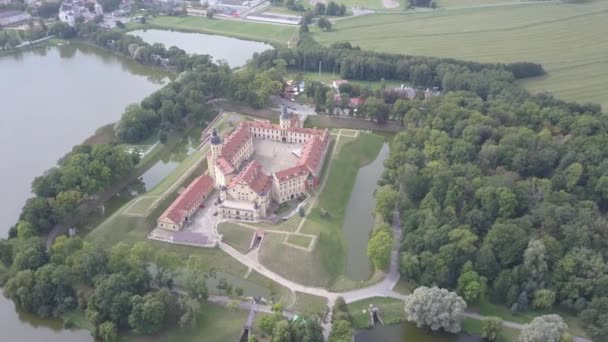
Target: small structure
(337, 83)
(374, 315)
(10, 17)
(186, 204)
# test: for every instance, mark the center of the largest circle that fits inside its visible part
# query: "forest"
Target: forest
(506, 198)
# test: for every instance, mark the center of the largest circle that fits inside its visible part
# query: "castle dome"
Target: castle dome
(215, 138)
(285, 114)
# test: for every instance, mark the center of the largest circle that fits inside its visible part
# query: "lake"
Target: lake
(236, 52)
(408, 332)
(358, 220)
(53, 98)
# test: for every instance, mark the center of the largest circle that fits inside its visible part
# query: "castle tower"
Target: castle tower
(216, 151)
(285, 119)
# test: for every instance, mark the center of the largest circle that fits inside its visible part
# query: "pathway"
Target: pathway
(381, 289)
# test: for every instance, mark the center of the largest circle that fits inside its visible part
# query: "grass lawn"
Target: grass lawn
(404, 287)
(215, 324)
(486, 308)
(299, 240)
(234, 28)
(391, 311)
(290, 225)
(78, 319)
(310, 304)
(327, 217)
(237, 236)
(328, 77)
(569, 40)
(325, 263)
(292, 263)
(283, 294)
(475, 327)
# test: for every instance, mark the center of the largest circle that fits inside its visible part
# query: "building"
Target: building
(337, 83)
(10, 17)
(186, 204)
(71, 10)
(248, 194)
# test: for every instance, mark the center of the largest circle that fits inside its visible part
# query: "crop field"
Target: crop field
(463, 3)
(234, 28)
(569, 40)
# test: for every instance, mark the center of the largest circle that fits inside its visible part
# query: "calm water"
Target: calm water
(53, 98)
(358, 221)
(170, 161)
(234, 51)
(408, 332)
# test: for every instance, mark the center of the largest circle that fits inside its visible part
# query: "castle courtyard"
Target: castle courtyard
(275, 155)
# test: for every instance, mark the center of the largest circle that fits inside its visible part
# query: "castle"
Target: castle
(247, 194)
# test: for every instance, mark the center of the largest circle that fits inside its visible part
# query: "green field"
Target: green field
(324, 264)
(391, 311)
(234, 28)
(310, 304)
(215, 324)
(475, 327)
(569, 40)
(463, 3)
(235, 235)
(299, 240)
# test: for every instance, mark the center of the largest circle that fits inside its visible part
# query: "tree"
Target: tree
(268, 322)
(386, 200)
(491, 328)
(107, 332)
(210, 13)
(281, 332)
(330, 103)
(342, 331)
(192, 309)
(238, 291)
(152, 312)
(547, 328)
(543, 299)
(324, 24)
(434, 308)
(379, 249)
(222, 285)
(470, 284)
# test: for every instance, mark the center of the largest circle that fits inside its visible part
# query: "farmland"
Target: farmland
(233, 28)
(557, 36)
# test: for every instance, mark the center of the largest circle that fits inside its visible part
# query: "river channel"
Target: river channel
(234, 51)
(358, 220)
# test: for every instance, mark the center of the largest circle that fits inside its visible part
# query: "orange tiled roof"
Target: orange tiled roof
(225, 166)
(235, 142)
(254, 177)
(312, 154)
(187, 200)
(290, 173)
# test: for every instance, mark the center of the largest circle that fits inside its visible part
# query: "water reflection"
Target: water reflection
(234, 51)
(358, 220)
(408, 332)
